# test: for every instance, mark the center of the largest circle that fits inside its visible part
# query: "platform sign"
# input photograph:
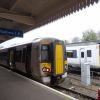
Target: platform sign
(11, 32)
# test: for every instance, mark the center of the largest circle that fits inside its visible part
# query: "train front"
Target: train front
(53, 62)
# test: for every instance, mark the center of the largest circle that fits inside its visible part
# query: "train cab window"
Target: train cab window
(88, 53)
(82, 54)
(72, 54)
(44, 53)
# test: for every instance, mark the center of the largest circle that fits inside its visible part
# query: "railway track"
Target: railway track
(95, 80)
(73, 93)
(94, 74)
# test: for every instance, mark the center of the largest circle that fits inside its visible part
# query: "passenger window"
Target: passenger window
(72, 54)
(82, 54)
(89, 53)
(3, 55)
(18, 56)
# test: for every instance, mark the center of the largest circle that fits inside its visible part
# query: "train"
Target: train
(43, 58)
(84, 52)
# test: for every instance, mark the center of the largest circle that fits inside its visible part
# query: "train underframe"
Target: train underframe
(78, 69)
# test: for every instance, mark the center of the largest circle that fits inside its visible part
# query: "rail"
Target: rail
(74, 93)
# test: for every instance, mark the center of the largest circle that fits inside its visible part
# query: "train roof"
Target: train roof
(40, 39)
(83, 43)
(36, 40)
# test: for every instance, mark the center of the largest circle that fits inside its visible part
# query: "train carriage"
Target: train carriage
(44, 59)
(82, 52)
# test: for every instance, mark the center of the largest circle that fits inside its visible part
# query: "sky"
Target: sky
(65, 28)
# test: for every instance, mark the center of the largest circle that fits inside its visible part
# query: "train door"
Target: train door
(82, 55)
(11, 61)
(28, 59)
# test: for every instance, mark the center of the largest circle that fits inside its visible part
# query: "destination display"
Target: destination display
(10, 32)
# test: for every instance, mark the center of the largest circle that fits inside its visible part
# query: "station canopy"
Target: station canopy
(25, 15)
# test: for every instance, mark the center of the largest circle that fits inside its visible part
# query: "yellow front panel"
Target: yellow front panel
(59, 59)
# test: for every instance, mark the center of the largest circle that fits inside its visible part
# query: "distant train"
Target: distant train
(78, 53)
(43, 59)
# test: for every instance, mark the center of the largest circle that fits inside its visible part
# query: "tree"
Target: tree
(76, 39)
(89, 36)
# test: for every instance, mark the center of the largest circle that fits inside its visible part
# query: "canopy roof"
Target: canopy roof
(26, 15)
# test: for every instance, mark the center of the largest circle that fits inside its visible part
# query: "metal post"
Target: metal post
(85, 74)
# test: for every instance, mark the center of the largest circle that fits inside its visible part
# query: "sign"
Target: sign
(10, 32)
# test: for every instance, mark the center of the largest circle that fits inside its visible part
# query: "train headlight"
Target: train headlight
(47, 69)
(44, 69)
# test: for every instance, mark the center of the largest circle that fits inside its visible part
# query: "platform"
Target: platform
(16, 87)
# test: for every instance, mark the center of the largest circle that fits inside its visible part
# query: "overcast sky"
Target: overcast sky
(67, 27)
